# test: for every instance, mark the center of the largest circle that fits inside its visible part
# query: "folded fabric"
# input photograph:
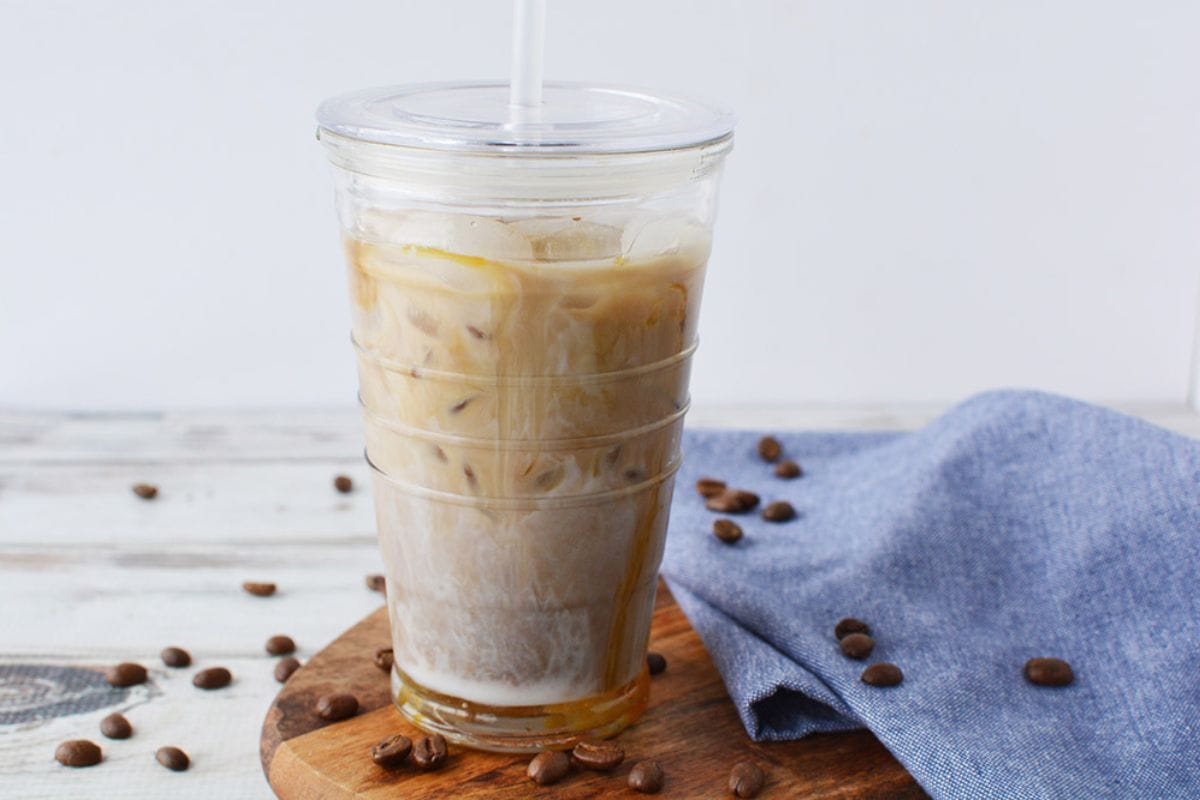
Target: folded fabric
(1017, 525)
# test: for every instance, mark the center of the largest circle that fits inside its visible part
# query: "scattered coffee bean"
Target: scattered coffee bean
(548, 767)
(125, 674)
(857, 645)
(337, 706)
(285, 668)
(173, 758)
(727, 530)
(779, 511)
(1049, 672)
(655, 662)
(882, 674)
(392, 751)
(176, 657)
(343, 484)
(77, 753)
(212, 678)
(597, 755)
(788, 469)
(746, 779)
(732, 501)
(259, 589)
(430, 751)
(146, 491)
(376, 583)
(850, 625)
(769, 448)
(384, 659)
(280, 645)
(115, 726)
(709, 487)
(646, 777)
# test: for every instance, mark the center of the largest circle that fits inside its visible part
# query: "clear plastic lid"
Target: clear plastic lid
(477, 117)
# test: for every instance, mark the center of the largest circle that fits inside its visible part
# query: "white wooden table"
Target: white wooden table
(91, 575)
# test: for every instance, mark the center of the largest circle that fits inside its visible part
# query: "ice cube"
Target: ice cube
(656, 236)
(458, 234)
(570, 238)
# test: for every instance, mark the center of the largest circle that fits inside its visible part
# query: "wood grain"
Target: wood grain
(691, 727)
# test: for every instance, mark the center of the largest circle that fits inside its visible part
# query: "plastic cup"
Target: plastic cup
(525, 298)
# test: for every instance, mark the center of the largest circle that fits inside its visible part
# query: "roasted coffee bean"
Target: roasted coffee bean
(655, 662)
(882, 674)
(850, 625)
(727, 530)
(430, 751)
(709, 487)
(1049, 672)
(732, 501)
(77, 753)
(173, 758)
(146, 491)
(857, 645)
(596, 755)
(376, 583)
(176, 657)
(343, 484)
(779, 511)
(746, 779)
(280, 645)
(212, 678)
(392, 751)
(548, 767)
(337, 706)
(125, 674)
(646, 777)
(115, 726)
(285, 668)
(788, 469)
(384, 658)
(259, 589)
(769, 448)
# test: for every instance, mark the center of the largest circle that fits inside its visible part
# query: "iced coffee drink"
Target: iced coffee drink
(524, 325)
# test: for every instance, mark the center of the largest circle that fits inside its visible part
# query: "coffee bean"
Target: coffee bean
(376, 583)
(709, 487)
(384, 659)
(176, 657)
(212, 678)
(173, 758)
(336, 706)
(601, 756)
(779, 511)
(430, 751)
(857, 645)
(125, 674)
(788, 469)
(746, 779)
(115, 726)
(1049, 672)
(343, 484)
(285, 668)
(769, 448)
(392, 751)
(548, 767)
(727, 530)
(850, 625)
(646, 777)
(146, 491)
(655, 662)
(882, 674)
(77, 753)
(280, 645)
(259, 589)
(732, 501)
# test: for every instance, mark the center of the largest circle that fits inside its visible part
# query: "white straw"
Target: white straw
(529, 34)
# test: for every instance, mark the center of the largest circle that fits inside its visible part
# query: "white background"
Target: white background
(925, 199)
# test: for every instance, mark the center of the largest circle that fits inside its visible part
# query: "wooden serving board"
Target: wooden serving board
(691, 727)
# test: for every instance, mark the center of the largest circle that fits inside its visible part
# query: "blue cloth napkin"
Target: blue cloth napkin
(1017, 525)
